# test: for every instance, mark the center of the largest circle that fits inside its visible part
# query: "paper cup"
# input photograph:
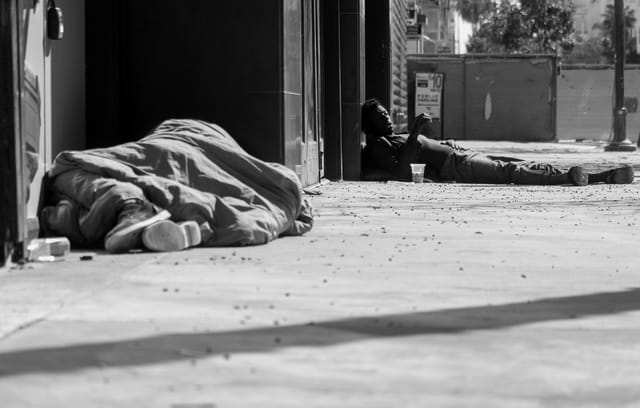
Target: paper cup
(417, 172)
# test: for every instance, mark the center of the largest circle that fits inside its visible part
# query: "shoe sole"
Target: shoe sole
(129, 238)
(623, 175)
(168, 236)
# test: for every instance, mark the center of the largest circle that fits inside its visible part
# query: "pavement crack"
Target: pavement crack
(23, 326)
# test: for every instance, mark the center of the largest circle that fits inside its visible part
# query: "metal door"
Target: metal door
(25, 71)
(510, 99)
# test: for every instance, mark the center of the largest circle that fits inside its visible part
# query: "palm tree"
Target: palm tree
(607, 28)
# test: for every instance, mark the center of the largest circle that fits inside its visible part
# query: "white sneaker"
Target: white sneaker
(166, 235)
(125, 236)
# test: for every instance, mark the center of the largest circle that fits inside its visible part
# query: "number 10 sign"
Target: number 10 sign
(429, 94)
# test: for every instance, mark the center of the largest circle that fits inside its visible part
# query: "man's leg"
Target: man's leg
(621, 175)
(118, 213)
(100, 200)
(477, 168)
(99, 208)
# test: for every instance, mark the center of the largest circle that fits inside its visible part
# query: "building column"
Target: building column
(332, 92)
(352, 63)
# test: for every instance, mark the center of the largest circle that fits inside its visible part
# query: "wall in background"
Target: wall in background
(68, 80)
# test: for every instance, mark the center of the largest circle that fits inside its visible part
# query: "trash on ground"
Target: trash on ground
(48, 249)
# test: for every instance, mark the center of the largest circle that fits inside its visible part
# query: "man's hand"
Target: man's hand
(421, 122)
(452, 143)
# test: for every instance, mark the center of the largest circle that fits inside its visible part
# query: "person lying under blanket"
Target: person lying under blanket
(448, 161)
(187, 183)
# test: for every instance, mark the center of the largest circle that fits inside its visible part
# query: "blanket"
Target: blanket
(197, 171)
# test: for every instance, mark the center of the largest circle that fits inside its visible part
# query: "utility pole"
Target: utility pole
(620, 142)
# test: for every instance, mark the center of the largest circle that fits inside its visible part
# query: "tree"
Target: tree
(607, 27)
(586, 51)
(533, 26)
(474, 10)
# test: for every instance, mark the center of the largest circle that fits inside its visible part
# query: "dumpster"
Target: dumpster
(485, 96)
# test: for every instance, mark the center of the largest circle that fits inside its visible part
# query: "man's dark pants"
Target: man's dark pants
(464, 167)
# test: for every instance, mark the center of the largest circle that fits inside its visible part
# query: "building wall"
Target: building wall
(445, 26)
(237, 64)
(386, 45)
(398, 57)
(68, 82)
(432, 29)
(585, 102)
(433, 13)
(378, 35)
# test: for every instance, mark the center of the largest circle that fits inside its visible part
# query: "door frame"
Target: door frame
(331, 89)
(312, 141)
(12, 199)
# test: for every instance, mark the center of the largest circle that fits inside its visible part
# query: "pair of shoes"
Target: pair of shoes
(621, 175)
(140, 225)
(132, 221)
(578, 176)
(166, 235)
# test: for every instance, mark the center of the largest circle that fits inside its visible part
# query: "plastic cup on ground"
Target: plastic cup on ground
(417, 172)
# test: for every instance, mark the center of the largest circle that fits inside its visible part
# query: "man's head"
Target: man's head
(375, 119)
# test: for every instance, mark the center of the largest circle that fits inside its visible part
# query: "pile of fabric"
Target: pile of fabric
(194, 170)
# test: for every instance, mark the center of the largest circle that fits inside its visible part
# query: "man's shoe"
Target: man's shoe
(578, 176)
(165, 236)
(132, 220)
(621, 175)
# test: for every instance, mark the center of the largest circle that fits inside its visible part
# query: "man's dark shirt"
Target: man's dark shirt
(393, 154)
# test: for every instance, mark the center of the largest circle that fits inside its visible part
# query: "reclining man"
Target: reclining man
(450, 162)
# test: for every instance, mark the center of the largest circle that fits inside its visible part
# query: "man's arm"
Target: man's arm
(411, 150)
(382, 154)
(421, 125)
(455, 146)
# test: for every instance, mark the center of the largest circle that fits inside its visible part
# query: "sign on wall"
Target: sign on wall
(429, 93)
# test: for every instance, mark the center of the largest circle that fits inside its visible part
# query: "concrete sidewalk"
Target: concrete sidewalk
(402, 295)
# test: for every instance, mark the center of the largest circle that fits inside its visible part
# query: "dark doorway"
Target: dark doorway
(214, 61)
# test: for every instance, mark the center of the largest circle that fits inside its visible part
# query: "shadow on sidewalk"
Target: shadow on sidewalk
(186, 346)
